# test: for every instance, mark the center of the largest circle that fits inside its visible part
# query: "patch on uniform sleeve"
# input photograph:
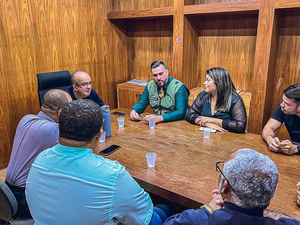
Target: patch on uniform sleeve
(152, 98)
(176, 82)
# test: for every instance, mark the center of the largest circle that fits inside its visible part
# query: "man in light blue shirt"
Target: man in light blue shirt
(68, 184)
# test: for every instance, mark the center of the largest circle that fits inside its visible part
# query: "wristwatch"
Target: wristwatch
(207, 208)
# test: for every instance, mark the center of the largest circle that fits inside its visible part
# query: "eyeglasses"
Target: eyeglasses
(85, 84)
(218, 169)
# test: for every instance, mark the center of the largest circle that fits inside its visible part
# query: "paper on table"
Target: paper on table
(211, 130)
(139, 82)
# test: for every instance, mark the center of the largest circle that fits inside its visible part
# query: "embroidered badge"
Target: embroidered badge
(168, 99)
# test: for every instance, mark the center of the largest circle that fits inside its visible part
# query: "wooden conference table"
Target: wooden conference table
(185, 164)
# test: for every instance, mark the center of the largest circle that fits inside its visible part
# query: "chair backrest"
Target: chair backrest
(54, 80)
(8, 202)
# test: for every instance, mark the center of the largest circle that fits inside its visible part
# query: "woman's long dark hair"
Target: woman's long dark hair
(224, 86)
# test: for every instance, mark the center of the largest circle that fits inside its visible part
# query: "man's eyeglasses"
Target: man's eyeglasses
(85, 84)
(218, 169)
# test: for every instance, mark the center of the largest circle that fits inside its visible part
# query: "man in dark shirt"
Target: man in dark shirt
(82, 87)
(247, 183)
(288, 113)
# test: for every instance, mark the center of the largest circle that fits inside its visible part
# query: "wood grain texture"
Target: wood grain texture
(259, 80)
(287, 70)
(178, 39)
(218, 1)
(228, 42)
(139, 14)
(148, 41)
(285, 4)
(190, 76)
(222, 7)
(3, 174)
(124, 5)
(270, 88)
(43, 36)
(129, 94)
(185, 170)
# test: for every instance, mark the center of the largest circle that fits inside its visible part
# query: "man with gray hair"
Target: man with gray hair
(246, 185)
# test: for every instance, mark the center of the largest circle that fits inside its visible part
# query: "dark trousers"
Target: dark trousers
(19, 193)
(160, 214)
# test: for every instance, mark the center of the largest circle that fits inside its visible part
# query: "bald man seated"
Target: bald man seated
(82, 87)
(34, 134)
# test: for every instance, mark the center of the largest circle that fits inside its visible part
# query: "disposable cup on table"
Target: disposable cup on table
(152, 123)
(151, 156)
(206, 131)
(121, 121)
(102, 139)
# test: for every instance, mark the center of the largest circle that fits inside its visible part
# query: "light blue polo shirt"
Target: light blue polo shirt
(74, 186)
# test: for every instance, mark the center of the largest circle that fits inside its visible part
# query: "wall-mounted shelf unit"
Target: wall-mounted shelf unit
(258, 42)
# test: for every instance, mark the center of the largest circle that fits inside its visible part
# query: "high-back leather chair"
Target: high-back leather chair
(54, 80)
(9, 207)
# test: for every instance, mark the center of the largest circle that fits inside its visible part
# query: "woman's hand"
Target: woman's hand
(204, 120)
(216, 127)
(201, 120)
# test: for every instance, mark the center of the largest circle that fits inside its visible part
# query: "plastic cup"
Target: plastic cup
(121, 121)
(206, 132)
(151, 156)
(152, 123)
(102, 139)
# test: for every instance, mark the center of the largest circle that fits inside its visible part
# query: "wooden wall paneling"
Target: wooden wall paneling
(178, 40)
(117, 5)
(142, 14)
(287, 70)
(189, 2)
(17, 63)
(190, 76)
(5, 117)
(284, 4)
(235, 6)
(5, 61)
(148, 41)
(270, 88)
(44, 36)
(227, 41)
(111, 56)
(218, 1)
(258, 81)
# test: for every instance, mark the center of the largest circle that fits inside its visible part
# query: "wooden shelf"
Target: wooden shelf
(222, 7)
(191, 38)
(167, 12)
(155, 13)
(284, 4)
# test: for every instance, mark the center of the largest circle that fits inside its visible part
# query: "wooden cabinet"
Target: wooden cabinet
(128, 95)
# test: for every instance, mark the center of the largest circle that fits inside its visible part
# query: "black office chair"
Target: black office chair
(54, 80)
(9, 207)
